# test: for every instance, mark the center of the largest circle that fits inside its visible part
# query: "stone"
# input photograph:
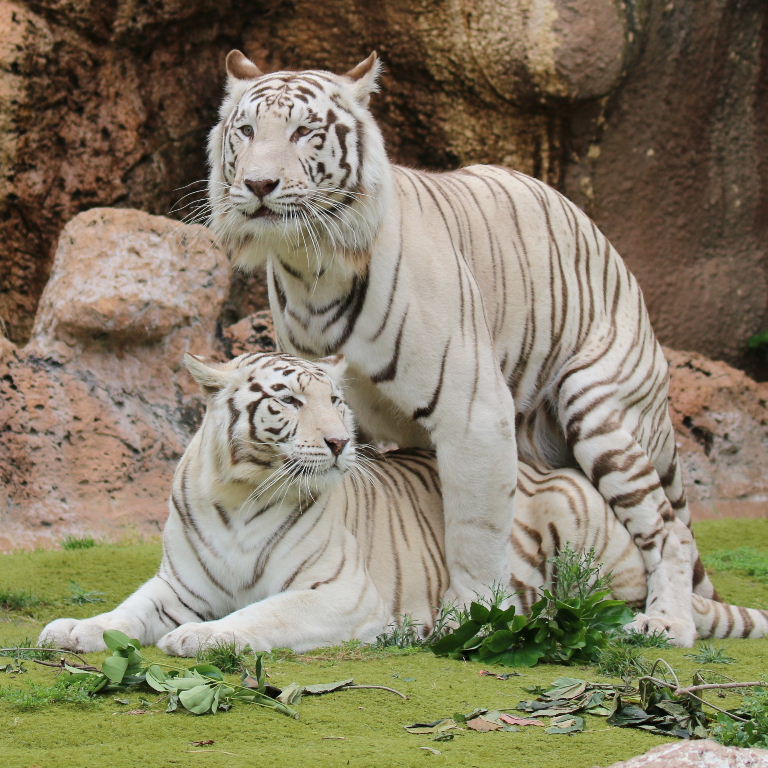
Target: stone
(697, 754)
(254, 333)
(721, 420)
(96, 410)
(132, 277)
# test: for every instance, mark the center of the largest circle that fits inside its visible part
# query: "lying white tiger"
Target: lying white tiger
(481, 312)
(249, 555)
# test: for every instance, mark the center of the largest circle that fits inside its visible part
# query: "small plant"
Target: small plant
(625, 661)
(707, 653)
(405, 633)
(569, 624)
(655, 639)
(74, 542)
(15, 601)
(29, 650)
(752, 729)
(81, 596)
(225, 656)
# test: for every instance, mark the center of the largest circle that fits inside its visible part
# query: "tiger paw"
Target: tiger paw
(75, 634)
(680, 632)
(190, 638)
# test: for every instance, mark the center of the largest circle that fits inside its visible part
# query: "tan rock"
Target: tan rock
(254, 333)
(697, 754)
(132, 277)
(97, 408)
(721, 419)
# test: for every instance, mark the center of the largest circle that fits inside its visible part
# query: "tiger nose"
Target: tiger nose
(336, 444)
(261, 187)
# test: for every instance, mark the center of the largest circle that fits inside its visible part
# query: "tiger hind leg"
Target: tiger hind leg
(602, 439)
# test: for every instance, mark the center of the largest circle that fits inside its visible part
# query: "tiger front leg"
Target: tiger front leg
(477, 463)
(146, 615)
(301, 619)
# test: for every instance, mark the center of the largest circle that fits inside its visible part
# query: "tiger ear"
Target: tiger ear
(335, 366)
(365, 78)
(240, 67)
(211, 377)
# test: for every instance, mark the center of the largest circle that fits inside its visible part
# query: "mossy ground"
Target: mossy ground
(351, 728)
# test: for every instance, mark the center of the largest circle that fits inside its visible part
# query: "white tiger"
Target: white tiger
(272, 541)
(481, 312)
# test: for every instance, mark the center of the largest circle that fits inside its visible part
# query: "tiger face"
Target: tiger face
(277, 420)
(293, 156)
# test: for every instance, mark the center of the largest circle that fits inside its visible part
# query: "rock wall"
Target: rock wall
(647, 113)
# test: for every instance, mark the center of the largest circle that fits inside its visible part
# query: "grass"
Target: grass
(746, 560)
(18, 601)
(74, 542)
(359, 728)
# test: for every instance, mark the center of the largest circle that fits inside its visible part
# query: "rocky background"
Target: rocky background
(649, 113)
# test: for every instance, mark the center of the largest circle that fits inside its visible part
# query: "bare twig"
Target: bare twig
(380, 687)
(12, 651)
(711, 686)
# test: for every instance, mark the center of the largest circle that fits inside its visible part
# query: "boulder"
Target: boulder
(721, 419)
(697, 754)
(96, 410)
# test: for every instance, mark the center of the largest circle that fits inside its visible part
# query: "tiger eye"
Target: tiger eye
(246, 130)
(300, 132)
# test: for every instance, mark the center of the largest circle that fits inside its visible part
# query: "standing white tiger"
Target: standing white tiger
(481, 312)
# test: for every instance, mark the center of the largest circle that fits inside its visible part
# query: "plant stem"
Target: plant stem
(712, 686)
(380, 687)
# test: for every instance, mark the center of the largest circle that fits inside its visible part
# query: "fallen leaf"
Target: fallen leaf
(321, 688)
(204, 743)
(512, 720)
(334, 738)
(438, 726)
(497, 675)
(567, 724)
(481, 724)
(432, 750)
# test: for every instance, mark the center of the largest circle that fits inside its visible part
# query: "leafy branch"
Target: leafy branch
(199, 689)
(569, 624)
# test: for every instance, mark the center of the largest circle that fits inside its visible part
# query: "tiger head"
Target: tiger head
(296, 159)
(274, 420)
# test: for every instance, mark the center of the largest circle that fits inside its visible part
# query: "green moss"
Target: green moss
(370, 722)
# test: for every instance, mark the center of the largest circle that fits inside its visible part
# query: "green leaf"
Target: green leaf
(156, 678)
(116, 640)
(198, 699)
(291, 694)
(479, 613)
(457, 639)
(499, 641)
(114, 668)
(208, 670)
(183, 683)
